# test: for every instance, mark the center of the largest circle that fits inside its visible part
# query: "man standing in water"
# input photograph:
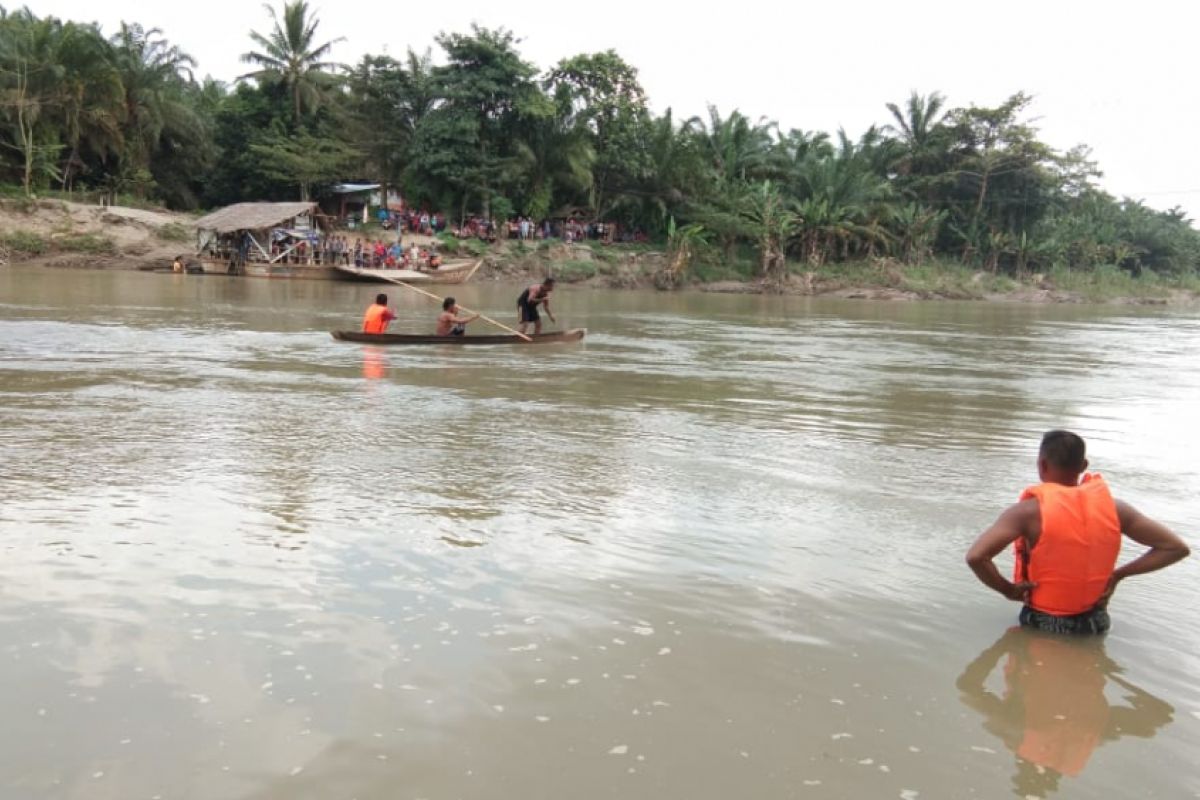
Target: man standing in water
(528, 302)
(1068, 534)
(378, 316)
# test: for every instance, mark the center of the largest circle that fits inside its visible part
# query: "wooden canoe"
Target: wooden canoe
(573, 335)
(451, 272)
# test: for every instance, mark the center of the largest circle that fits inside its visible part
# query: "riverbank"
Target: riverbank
(55, 233)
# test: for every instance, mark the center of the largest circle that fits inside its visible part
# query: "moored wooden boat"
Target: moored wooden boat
(452, 272)
(573, 335)
(264, 269)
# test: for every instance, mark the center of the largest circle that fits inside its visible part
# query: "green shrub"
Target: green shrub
(475, 247)
(85, 243)
(449, 244)
(173, 232)
(26, 243)
(574, 271)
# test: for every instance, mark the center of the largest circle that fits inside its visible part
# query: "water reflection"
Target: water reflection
(374, 363)
(1053, 712)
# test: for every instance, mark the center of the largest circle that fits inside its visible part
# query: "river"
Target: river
(715, 550)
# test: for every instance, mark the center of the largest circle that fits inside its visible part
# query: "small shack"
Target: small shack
(265, 233)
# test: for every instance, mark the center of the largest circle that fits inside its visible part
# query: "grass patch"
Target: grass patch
(575, 271)
(173, 232)
(474, 247)
(24, 243)
(713, 271)
(1108, 283)
(85, 243)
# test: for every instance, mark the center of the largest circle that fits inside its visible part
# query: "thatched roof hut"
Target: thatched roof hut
(253, 216)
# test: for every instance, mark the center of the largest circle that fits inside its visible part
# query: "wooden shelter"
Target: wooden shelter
(251, 238)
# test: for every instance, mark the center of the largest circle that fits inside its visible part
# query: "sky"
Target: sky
(1118, 77)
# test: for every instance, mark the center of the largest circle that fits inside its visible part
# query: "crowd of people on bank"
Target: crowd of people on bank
(522, 228)
(364, 254)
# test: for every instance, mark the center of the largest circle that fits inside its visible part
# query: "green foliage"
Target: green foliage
(25, 243)
(482, 134)
(84, 243)
(449, 244)
(303, 158)
(290, 57)
(575, 271)
(474, 247)
(173, 232)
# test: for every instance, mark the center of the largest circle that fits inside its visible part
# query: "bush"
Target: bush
(85, 243)
(173, 232)
(449, 244)
(575, 271)
(475, 247)
(25, 243)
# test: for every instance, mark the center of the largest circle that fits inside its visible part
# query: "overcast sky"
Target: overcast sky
(1119, 77)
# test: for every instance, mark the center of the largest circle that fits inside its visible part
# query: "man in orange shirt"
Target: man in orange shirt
(1067, 534)
(378, 316)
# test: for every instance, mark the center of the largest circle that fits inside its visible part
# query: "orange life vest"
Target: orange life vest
(376, 319)
(1077, 549)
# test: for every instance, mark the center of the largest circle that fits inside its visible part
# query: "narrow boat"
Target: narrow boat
(573, 335)
(451, 272)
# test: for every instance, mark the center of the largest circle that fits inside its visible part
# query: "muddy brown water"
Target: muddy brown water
(713, 551)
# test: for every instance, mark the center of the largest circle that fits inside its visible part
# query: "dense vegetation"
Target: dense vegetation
(482, 131)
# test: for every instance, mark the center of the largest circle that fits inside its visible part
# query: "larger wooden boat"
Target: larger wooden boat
(449, 273)
(573, 335)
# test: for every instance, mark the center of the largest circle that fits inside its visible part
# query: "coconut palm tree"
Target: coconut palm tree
(290, 56)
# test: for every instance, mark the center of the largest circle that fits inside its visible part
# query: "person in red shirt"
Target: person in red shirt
(1067, 534)
(378, 316)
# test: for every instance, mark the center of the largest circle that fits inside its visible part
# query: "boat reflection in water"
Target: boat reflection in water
(1053, 712)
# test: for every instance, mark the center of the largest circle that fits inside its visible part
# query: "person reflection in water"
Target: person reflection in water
(373, 364)
(1054, 713)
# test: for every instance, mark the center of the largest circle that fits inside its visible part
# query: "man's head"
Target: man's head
(381, 299)
(548, 284)
(1062, 457)
(448, 304)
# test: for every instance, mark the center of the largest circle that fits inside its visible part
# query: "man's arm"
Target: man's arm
(1165, 547)
(1007, 528)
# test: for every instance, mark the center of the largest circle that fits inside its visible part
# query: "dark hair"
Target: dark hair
(381, 299)
(1064, 450)
(448, 304)
(548, 282)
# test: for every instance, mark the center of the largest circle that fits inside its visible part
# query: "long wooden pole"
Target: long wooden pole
(464, 308)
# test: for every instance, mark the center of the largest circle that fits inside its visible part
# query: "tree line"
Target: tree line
(483, 131)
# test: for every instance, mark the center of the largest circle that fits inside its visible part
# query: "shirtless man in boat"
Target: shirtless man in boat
(449, 323)
(528, 302)
(1067, 531)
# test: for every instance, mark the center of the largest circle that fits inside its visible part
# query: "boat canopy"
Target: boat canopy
(253, 216)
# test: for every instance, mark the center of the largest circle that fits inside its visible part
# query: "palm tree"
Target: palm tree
(916, 122)
(153, 75)
(735, 148)
(291, 57)
(91, 98)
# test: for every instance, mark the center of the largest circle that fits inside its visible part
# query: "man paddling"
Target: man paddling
(1067, 535)
(449, 323)
(378, 316)
(528, 302)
